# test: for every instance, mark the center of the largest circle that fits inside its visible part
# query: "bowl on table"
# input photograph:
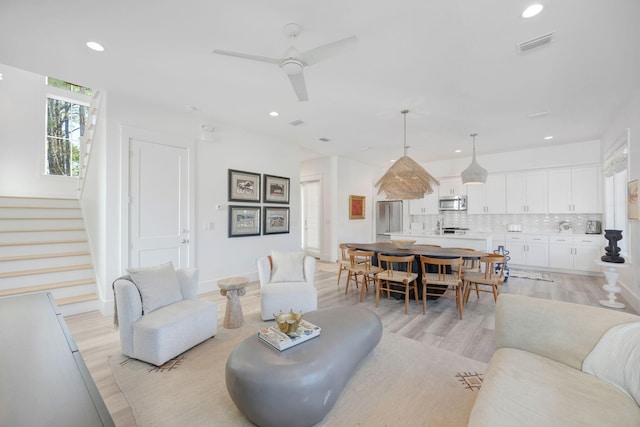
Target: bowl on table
(403, 244)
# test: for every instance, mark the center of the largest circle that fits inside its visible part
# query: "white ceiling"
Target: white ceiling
(452, 63)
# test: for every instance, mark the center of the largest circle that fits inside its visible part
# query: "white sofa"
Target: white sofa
(156, 335)
(537, 376)
(290, 288)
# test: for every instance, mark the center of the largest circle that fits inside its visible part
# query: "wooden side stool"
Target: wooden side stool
(233, 288)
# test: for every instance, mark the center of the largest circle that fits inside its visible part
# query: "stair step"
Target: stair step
(43, 230)
(45, 287)
(41, 256)
(35, 202)
(45, 270)
(51, 242)
(39, 207)
(76, 299)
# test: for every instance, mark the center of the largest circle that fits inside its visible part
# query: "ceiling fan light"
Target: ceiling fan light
(292, 67)
(474, 174)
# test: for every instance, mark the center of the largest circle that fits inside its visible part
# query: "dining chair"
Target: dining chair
(491, 275)
(400, 280)
(470, 264)
(344, 262)
(361, 266)
(447, 277)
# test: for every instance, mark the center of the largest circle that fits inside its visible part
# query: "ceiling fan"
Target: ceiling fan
(293, 62)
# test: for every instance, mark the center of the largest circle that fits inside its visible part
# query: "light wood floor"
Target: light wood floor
(471, 337)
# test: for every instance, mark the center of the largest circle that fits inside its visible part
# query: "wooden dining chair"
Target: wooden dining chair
(362, 270)
(400, 280)
(469, 264)
(343, 262)
(491, 275)
(447, 277)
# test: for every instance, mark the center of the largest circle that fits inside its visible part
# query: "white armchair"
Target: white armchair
(287, 283)
(159, 315)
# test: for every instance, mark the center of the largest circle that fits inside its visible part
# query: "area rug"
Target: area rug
(401, 382)
(531, 275)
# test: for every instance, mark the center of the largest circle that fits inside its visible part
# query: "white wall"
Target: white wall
(629, 118)
(216, 255)
(341, 178)
(23, 115)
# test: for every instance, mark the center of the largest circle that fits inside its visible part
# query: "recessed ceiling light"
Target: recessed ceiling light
(532, 10)
(458, 151)
(95, 46)
(274, 114)
(0, 76)
(548, 137)
(365, 148)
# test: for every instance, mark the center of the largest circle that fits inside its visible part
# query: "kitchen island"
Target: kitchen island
(478, 241)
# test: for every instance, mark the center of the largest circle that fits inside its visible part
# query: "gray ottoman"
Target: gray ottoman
(300, 385)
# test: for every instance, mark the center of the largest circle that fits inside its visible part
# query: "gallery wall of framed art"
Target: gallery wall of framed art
(252, 188)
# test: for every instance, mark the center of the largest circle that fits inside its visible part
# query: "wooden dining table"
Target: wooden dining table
(416, 250)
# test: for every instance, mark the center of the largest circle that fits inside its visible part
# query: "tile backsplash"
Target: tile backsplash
(531, 223)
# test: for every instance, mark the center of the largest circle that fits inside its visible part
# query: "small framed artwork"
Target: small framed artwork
(244, 221)
(244, 186)
(356, 207)
(276, 189)
(633, 211)
(276, 220)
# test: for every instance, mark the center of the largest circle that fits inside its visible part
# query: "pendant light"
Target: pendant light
(474, 174)
(406, 179)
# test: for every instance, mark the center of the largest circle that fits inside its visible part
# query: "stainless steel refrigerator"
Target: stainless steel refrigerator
(388, 219)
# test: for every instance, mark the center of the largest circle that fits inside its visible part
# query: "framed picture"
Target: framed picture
(276, 189)
(633, 212)
(244, 221)
(356, 207)
(276, 220)
(244, 186)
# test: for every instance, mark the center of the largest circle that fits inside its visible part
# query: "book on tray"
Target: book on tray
(281, 341)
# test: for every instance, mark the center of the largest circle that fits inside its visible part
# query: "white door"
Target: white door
(311, 217)
(159, 209)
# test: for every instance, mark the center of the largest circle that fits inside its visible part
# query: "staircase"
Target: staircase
(44, 247)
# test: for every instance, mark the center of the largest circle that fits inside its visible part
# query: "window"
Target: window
(615, 189)
(66, 121)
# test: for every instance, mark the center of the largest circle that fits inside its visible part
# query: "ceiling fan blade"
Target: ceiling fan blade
(249, 56)
(299, 86)
(328, 50)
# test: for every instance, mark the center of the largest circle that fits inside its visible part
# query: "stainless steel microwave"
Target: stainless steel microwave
(455, 203)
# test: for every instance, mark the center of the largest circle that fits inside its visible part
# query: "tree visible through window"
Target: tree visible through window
(66, 121)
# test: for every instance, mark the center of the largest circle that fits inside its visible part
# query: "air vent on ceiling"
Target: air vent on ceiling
(535, 43)
(296, 123)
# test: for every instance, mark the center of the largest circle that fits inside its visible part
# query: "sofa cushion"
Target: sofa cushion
(525, 389)
(616, 358)
(158, 285)
(287, 266)
(173, 329)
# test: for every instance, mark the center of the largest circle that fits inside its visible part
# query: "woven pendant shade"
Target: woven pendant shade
(406, 179)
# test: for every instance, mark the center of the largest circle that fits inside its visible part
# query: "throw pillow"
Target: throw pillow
(616, 358)
(158, 285)
(287, 266)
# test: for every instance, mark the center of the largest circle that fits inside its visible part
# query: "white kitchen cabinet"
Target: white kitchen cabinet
(575, 252)
(575, 190)
(526, 192)
(452, 187)
(488, 198)
(425, 206)
(531, 249)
